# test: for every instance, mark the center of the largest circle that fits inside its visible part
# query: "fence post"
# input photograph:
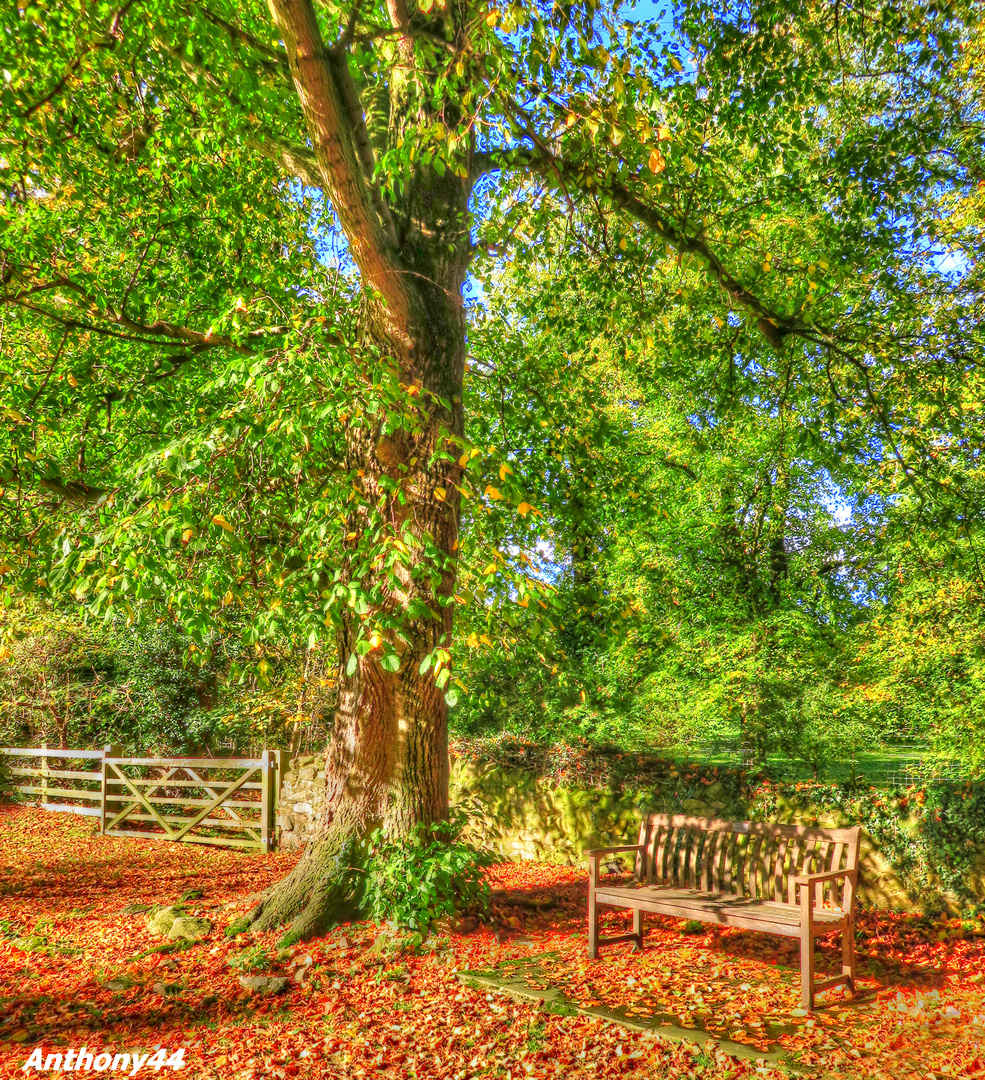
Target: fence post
(268, 775)
(44, 774)
(109, 750)
(275, 807)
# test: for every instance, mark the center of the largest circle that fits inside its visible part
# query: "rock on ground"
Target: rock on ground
(264, 984)
(186, 928)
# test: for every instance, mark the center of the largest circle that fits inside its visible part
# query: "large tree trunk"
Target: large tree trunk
(387, 760)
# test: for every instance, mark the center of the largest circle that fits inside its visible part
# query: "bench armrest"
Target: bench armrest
(596, 852)
(593, 861)
(828, 875)
(807, 897)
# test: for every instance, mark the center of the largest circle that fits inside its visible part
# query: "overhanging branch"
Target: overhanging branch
(567, 176)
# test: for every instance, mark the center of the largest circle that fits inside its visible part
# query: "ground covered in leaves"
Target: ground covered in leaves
(76, 969)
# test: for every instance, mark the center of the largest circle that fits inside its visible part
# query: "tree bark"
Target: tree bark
(387, 759)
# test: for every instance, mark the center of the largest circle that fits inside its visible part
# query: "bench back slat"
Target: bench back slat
(743, 858)
(792, 870)
(697, 841)
(836, 857)
(711, 861)
(779, 867)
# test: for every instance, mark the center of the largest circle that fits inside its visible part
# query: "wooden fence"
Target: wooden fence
(227, 802)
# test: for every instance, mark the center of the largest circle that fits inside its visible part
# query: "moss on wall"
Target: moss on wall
(920, 850)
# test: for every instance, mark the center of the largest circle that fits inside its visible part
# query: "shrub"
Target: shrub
(431, 874)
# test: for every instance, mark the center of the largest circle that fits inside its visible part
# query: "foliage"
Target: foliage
(73, 681)
(179, 437)
(737, 565)
(606, 768)
(932, 835)
(431, 874)
(728, 266)
(255, 958)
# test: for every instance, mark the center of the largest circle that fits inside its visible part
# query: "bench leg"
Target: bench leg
(638, 929)
(806, 969)
(848, 952)
(593, 925)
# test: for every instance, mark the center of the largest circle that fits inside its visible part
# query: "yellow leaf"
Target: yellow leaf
(72, 380)
(689, 166)
(5, 568)
(492, 492)
(440, 494)
(352, 536)
(504, 471)
(676, 64)
(439, 131)
(525, 602)
(228, 598)
(187, 535)
(622, 244)
(719, 322)
(523, 509)
(464, 459)
(492, 18)
(656, 162)
(218, 519)
(490, 569)
(19, 1036)
(649, 342)
(663, 133)
(570, 119)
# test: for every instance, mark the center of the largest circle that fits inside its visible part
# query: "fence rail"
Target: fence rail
(226, 802)
(38, 774)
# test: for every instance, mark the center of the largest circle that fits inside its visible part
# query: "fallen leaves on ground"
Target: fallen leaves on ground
(75, 969)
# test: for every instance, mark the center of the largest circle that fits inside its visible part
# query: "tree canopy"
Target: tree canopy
(725, 261)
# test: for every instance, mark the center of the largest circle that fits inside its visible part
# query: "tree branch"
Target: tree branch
(242, 37)
(542, 159)
(370, 234)
(107, 42)
(296, 160)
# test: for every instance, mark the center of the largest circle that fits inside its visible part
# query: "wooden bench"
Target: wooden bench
(779, 879)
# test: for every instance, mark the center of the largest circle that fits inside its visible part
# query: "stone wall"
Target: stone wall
(299, 805)
(523, 816)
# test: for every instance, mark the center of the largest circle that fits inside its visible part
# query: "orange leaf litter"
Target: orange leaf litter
(353, 1012)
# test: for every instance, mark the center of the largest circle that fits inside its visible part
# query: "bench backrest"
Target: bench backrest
(743, 858)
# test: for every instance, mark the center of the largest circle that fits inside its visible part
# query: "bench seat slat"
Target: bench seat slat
(751, 913)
